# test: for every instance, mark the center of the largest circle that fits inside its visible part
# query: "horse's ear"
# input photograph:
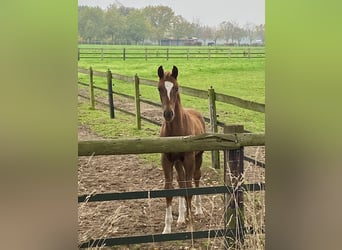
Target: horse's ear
(161, 72)
(174, 72)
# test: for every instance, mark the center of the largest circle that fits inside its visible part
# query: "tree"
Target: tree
(250, 30)
(136, 26)
(207, 33)
(121, 24)
(91, 23)
(180, 27)
(260, 32)
(114, 23)
(231, 31)
(240, 33)
(226, 29)
(159, 21)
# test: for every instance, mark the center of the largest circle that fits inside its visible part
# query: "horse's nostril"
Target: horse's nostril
(168, 114)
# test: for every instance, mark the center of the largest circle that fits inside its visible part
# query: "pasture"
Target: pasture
(243, 78)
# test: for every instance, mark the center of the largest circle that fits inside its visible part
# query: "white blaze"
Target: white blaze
(168, 86)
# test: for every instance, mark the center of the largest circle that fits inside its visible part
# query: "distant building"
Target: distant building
(257, 42)
(171, 42)
(193, 41)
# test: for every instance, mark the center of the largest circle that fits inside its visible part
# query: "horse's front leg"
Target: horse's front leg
(197, 177)
(189, 167)
(181, 183)
(168, 173)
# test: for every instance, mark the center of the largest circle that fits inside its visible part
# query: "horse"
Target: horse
(179, 121)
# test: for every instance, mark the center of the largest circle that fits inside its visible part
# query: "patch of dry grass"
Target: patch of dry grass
(109, 225)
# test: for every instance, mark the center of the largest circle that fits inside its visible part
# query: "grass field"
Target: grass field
(243, 78)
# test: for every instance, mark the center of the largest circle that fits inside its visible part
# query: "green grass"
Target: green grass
(122, 126)
(243, 78)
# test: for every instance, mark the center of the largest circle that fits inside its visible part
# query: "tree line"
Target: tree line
(124, 25)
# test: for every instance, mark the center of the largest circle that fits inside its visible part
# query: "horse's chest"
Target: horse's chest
(172, 157)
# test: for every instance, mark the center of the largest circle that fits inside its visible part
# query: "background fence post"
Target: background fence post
(110, 94)
(91, 88)
(137, 101)
(102, 54)
(234, 213)
(167, 54)
(124, 54)
(215, 156)
(79, 56)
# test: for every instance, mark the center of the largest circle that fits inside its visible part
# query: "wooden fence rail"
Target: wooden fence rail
(245, 104)
(151, 194)
(169, 144)
(171, 53)
(229, 233)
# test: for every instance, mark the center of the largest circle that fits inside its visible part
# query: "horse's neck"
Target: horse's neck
(175, 126)
(179, 113)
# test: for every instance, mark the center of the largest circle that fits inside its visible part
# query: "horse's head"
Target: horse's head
(168, 92)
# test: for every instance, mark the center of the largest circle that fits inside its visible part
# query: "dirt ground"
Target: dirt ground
(120, 173)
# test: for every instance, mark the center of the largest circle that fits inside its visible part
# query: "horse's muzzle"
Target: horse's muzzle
(168, 115)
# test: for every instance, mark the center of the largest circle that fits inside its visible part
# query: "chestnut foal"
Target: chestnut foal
(179, 122)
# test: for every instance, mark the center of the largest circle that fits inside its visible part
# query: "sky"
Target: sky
(207, 12)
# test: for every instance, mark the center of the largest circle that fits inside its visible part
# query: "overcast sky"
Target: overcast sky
(208, 12)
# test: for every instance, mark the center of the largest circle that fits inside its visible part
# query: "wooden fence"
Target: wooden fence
(209, 95)
(170, 144)
(171, 53)
(233, 229)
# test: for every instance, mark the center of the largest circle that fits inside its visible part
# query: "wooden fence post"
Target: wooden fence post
(110, 94)
(145, 54)
(79, 56)
(137, 101)
(102, 54)
(187, 54)
(124, 54)
(234, 213)
(167, 54)
(215, 156)
(91, 88)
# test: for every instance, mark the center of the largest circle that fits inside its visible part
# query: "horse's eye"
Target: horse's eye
(176, 90)
(159, 89)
